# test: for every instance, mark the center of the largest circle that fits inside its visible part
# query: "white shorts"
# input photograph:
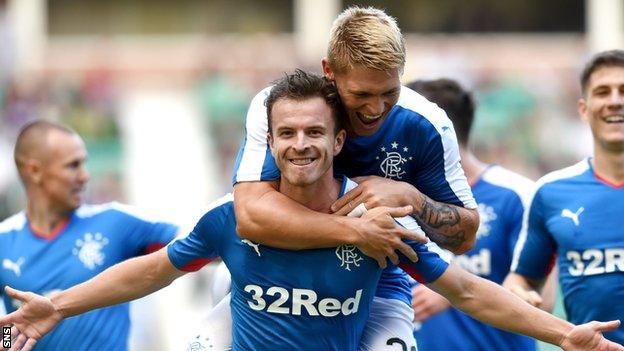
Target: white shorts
(389, 327)
(215, 331)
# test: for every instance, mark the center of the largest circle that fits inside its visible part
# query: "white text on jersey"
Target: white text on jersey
(301, 299)
(600, 261)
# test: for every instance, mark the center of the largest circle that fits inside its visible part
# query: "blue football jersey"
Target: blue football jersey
(94, 238)
(291, 300)
(416, 144)
(578, 218)
(501, 197)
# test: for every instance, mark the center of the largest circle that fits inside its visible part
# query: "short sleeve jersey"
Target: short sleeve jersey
(291, 300)
(576, 218)
(94, 238)
(416, 144)
(501, 197)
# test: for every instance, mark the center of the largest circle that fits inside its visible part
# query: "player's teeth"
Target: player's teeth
(302, 161)
(370, 117)
(615, 119)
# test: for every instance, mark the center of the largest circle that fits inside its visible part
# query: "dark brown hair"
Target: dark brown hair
(302, 85)
(601, 59)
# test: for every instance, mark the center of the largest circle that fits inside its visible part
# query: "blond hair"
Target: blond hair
(365, 36)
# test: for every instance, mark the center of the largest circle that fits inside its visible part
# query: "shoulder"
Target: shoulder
(518, 185)
(219, 211)
(257, 109)
(564, 176)
(418, 111)
(14, 223)
(115, 209)
(262, 95)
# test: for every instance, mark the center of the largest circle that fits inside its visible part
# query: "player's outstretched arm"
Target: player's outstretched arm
(266, 216)
(492, 304)
(123, 282)
(450, 226)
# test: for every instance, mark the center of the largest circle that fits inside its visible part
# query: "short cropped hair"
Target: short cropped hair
(450, 96)
(601, 59)
(32, 138)
(302, 85)
(368, 37)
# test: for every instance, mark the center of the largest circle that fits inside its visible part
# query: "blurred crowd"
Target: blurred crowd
(88, 104)
(525, 111)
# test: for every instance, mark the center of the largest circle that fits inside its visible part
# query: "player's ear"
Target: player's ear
(33, 169)
(582, 109)
(270, 140)
(327, 71)
(339, 141)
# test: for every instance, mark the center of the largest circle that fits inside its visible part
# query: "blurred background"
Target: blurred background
(159, 91)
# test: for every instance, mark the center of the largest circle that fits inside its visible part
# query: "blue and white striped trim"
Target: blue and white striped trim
(565, 173)
(14, 223)
(453, 172)
(255, 148)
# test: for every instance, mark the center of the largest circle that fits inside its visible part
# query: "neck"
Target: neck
(472, 166)
(317, 196)
(43, 218)
(609, 165)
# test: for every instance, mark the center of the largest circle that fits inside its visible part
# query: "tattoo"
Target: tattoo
(440, 222)
(437, 215)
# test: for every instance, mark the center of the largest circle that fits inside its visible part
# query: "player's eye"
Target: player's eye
(391, 93)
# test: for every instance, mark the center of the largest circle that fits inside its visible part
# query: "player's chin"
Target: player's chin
(300, 178)
(75, 201)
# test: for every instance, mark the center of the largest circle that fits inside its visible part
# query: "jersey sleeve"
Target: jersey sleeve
(439, 173)
(254, 161)
(201, 245)
(535, 249)
(145, 233)
(430, 265)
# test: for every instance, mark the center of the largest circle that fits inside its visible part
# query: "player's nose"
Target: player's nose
(375, 106)
(301, 142)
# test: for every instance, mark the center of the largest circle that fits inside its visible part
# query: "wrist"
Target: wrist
(414, 197)
(57, 303)
(565, 332)
(352, 234)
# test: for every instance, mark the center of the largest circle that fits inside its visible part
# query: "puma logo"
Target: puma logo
(14, 266)
(256, 247)
(574, 216)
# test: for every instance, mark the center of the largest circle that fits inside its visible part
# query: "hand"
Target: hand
(35, 318)
(380, 235)
(427, 302)
(588, 337)
(373, 191)
(530, 296)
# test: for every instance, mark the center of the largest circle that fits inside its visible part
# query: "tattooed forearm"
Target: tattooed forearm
(447, 225)
(451, 242)
(437, 215)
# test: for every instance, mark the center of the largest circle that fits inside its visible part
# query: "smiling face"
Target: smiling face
(603, 108)
(303, 141)
(367, 94)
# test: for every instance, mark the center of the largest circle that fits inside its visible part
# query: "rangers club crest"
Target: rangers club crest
(486, 215)
(393, 160)
(89, 250)
(348, 256)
